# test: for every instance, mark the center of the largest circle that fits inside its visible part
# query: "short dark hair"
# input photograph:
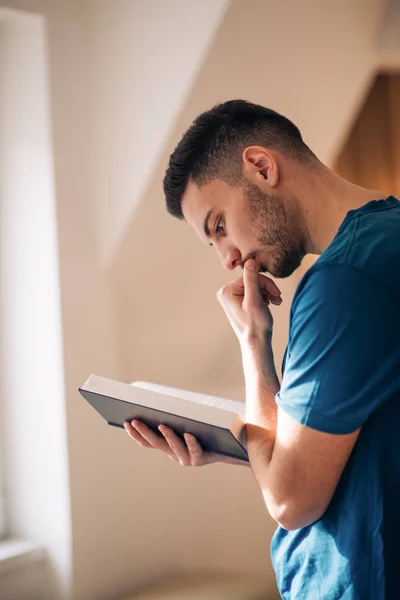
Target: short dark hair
(212, 146)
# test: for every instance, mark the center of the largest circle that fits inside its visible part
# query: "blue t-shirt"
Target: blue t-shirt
(341, 371)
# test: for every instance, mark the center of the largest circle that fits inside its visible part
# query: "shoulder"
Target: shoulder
(366, 247)
(341, 300)
(330, 281)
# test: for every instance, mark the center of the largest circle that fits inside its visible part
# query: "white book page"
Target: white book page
(215, 401)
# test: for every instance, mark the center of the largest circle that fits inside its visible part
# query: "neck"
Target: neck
(324, 201)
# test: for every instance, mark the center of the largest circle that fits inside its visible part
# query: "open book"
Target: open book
(217, 423)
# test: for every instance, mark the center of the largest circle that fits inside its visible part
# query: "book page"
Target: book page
(215, 401)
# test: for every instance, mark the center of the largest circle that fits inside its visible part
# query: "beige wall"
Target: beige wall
(138, 289)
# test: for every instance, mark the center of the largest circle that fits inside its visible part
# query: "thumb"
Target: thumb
(252, 294)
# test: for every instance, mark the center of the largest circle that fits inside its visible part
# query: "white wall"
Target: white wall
(30, 576)
(31, 362)
(137, 289)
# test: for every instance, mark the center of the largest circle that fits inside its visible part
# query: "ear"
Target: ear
(260, 166)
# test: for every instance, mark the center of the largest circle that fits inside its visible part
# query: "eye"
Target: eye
(219, 227)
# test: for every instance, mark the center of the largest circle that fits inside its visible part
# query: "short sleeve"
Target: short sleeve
(343, 355)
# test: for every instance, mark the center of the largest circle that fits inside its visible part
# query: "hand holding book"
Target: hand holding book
(189, 454)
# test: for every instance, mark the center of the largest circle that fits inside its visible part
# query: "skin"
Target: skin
(280, 211)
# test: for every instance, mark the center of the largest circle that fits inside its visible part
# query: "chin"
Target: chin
(281, 267)
(286, 269)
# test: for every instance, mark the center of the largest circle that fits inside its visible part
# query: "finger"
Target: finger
(269, 285)
(195, 450)
(236, 291)
(177, 446)
(265, 284)
(236, 288)
(135, 435)
(252, 293)
(152, 438)
(268, 298)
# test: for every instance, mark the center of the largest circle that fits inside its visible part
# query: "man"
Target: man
(324, 445)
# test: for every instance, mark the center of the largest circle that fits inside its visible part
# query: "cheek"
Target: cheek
(247, 232)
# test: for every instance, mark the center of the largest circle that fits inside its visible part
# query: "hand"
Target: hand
(190, 454)
(246, 302)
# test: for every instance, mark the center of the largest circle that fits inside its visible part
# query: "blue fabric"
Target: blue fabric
(341, 371)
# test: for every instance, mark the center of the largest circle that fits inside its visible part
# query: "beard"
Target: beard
(275, 231)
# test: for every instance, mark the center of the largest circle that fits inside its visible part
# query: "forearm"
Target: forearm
(262, 385)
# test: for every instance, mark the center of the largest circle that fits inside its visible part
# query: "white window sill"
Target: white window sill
(16, 554)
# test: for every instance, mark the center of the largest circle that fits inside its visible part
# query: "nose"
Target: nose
(230, 258)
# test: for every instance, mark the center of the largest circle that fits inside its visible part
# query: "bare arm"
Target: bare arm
(297, 467)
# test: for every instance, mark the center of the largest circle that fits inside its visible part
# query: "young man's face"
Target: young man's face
(244, 222)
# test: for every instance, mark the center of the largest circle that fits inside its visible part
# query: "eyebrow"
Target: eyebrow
(206, 226)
